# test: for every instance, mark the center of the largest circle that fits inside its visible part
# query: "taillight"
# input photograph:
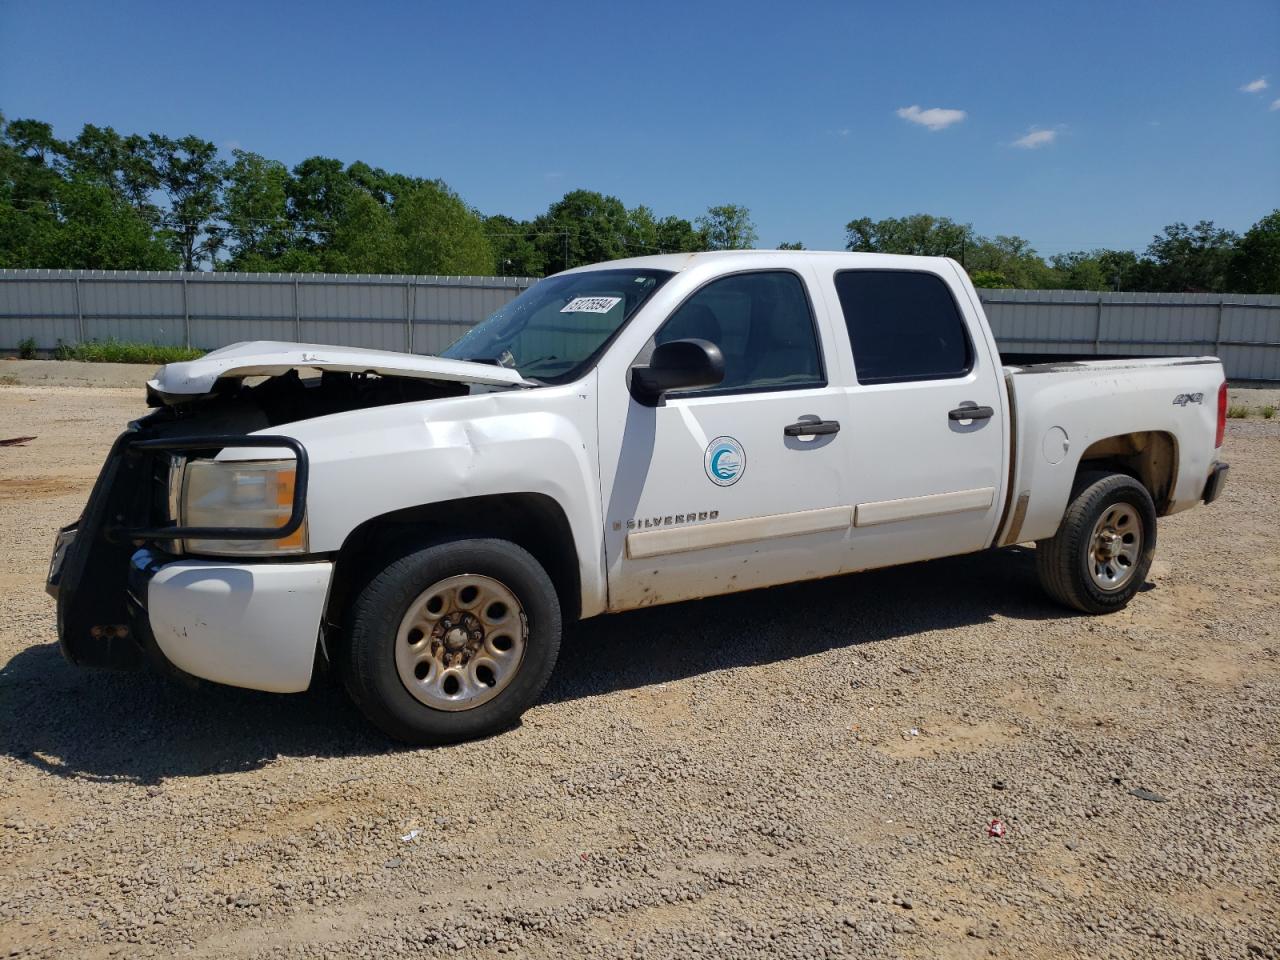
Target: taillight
(1222, 414)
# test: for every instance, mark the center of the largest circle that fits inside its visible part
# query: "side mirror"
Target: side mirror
(678, 365)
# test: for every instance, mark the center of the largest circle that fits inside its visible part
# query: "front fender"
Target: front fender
(368, 463)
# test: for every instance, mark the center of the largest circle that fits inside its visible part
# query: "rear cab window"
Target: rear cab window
(904, 325)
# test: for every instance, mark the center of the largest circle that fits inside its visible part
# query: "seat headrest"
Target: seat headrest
(694, 321)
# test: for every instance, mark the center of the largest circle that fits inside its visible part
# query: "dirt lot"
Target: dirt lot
(801, 772)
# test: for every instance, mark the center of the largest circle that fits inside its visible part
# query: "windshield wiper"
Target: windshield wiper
(530, 363)
(504, 359)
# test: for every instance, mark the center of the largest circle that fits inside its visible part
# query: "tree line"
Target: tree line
(106, 200)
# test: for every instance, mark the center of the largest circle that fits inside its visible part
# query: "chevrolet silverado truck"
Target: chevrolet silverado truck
(631, 433)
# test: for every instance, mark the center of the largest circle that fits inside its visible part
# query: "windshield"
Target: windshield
(554, 329)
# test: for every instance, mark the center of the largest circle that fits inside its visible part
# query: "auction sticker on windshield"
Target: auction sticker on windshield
(591, 304)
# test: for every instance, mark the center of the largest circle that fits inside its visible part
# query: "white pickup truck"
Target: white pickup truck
(624, 434)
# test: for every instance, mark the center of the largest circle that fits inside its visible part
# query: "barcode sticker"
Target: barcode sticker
(591, 304)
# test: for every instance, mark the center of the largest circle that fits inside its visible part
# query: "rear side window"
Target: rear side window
(903, 325)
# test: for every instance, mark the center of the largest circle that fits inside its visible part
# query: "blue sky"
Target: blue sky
(1140, 112)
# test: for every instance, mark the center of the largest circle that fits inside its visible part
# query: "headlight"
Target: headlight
(249, 493)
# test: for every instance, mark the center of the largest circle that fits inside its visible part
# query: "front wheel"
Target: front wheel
(1101, 554)
(452, 642)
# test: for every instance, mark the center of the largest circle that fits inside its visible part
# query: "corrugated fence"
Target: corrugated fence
(424, 314)
(207, 310)
(1244, 330)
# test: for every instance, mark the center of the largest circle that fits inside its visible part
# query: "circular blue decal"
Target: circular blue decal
(725, 461)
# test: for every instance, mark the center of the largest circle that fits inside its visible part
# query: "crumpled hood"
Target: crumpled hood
(266, 358)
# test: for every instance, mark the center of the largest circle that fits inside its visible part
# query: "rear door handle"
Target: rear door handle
(971, 413)
(811, 428)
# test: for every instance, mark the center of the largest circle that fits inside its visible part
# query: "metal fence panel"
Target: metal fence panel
(425, 314)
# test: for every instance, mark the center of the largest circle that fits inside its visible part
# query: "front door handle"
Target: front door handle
(811, 428)
(971, 413)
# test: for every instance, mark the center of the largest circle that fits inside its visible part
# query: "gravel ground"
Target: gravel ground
(808, 771)
(73, 373)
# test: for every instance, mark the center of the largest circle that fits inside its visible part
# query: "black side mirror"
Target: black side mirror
(678, 365)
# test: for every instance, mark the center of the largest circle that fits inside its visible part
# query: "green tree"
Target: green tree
(1255, 263)
(678, 235)
(728, 227)
(794, 245)
(34, 140)
(515, 250)
(126, 164)
(1078, 270)
(53, 214)
(439, 233)
(919, 234)
(1191, 258)
(1099, 270)
(100, 230)
(318, 193)
(28, 189)
(989, 278)
(365, 239)
(1010, 257)
(582, 227)
(255, 210)
(190, 176)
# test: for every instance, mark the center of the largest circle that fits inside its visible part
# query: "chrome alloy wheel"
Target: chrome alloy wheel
(1115, 547)
(461, 643)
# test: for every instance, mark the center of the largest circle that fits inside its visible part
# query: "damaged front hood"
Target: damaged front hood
(266, 358)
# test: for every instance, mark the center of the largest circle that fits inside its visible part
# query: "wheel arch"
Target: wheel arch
(1149, 456)
(533, 521)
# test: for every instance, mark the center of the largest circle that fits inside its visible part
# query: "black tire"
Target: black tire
(1064, 561)
(370, 672)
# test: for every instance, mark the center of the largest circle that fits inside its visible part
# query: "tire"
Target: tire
(1111, 516)
(414, 632)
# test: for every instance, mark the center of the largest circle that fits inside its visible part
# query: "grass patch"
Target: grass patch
(1237, 411)
(8, 380)
(1268, 411)
(122, 351)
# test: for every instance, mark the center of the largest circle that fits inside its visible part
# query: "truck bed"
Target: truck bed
(1153, 413)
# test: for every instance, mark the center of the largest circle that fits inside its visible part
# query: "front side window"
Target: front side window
(762, 324)
(555, 329)
(903, 325)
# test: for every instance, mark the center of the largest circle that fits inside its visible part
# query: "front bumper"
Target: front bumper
(248, 624)
(252, 625)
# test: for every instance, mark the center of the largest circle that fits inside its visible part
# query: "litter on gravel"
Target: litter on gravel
(1143, 794)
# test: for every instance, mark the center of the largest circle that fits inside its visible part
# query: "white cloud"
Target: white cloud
(935, 118)
(1275, 104)
(1255, 86)
(1034, 138)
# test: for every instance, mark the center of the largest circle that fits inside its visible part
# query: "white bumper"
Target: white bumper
(249, 625)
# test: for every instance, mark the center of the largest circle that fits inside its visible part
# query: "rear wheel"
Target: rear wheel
(1100, 556)
(452, 642)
